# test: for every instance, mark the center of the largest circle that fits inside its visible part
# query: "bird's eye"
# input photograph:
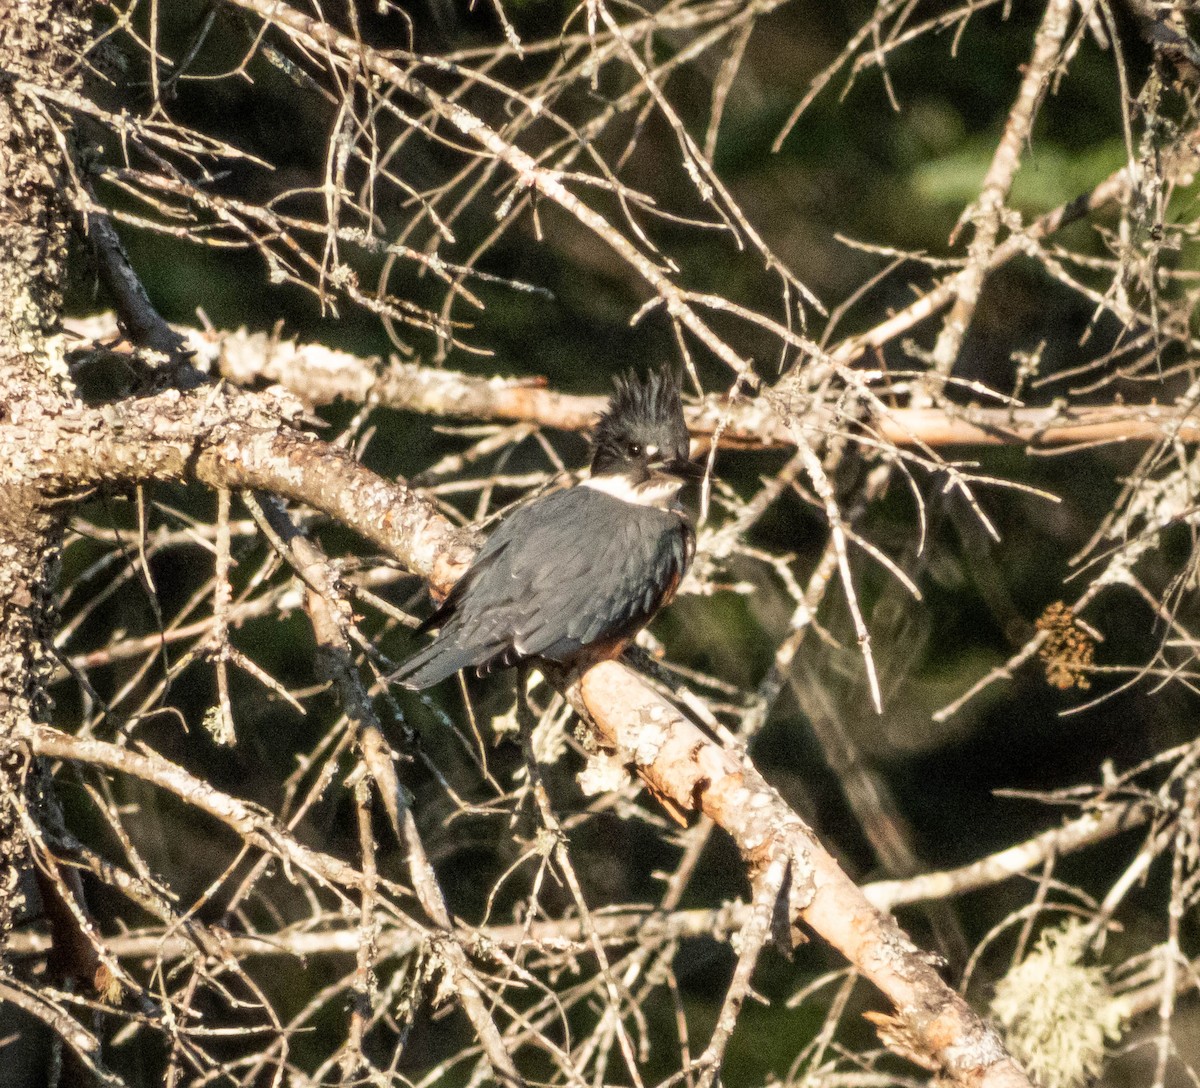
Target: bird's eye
(634, 449)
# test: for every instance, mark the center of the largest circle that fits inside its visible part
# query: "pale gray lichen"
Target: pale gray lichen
(603, 773)
(1058, 1015)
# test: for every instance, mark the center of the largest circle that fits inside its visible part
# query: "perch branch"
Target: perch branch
(234, 440)
(679, 763)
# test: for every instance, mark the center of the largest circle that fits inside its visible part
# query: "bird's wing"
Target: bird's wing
(580, 567)
(570, 569)
(487, 555)
(475, 618)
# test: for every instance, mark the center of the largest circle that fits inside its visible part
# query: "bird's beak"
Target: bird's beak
(684, 469)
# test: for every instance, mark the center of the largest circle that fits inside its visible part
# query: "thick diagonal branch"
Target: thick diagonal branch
(230, 440)
(680, 764)
(225, 439)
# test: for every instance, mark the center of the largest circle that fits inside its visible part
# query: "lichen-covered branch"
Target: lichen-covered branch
(320, 375)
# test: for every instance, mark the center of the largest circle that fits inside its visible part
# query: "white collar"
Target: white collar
(658, 491)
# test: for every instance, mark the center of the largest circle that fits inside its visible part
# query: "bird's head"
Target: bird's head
(642, 437)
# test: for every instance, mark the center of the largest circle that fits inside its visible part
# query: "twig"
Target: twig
(255, 827)
(455, 962)
(987, 214)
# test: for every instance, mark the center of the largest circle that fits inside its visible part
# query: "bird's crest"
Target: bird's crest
(648, 411)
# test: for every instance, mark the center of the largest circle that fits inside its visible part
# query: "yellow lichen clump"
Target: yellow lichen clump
(1067, 650)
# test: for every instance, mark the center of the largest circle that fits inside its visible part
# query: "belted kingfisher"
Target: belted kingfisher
(572, 576)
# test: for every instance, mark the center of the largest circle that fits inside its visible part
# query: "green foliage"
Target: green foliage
(1052, 174)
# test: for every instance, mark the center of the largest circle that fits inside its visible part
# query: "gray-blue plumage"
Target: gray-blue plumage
(569, 576)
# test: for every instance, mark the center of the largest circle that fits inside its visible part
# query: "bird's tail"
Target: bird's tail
(441, 658)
